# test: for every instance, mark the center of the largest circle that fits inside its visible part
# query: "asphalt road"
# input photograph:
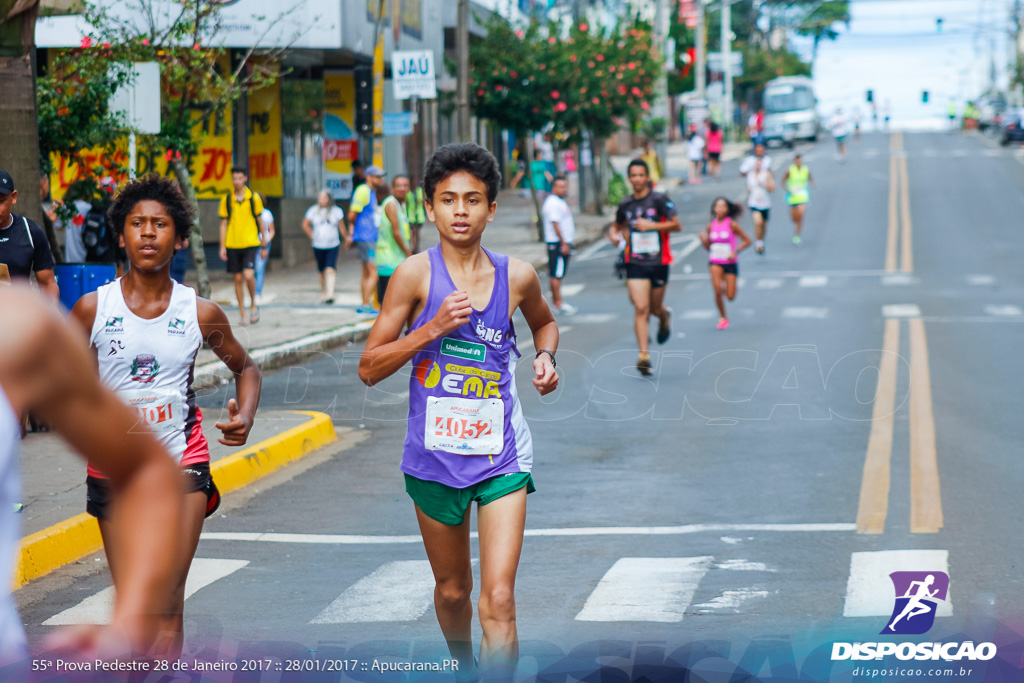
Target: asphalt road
(742, 508)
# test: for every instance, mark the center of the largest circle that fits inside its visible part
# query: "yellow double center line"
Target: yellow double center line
(899, 244)
(925, 491)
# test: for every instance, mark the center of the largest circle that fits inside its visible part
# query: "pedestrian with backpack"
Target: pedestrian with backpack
(242, 235)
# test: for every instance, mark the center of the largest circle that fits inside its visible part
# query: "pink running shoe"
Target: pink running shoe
(723, 323)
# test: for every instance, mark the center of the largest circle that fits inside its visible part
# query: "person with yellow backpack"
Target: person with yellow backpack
(797, 182)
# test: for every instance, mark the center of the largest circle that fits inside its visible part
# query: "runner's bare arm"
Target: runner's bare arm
(525, 293)
(396, 229)
(83, 315)
(738, 231)
(46, 369)
(386, 349)
(307, 228)
(671, 225)
(217, 333)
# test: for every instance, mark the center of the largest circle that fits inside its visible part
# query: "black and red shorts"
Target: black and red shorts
(197, 478)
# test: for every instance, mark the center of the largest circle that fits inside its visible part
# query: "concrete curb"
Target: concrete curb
(73, 539)
(280, 355)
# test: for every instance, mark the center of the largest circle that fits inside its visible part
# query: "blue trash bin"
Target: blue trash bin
(77, 279)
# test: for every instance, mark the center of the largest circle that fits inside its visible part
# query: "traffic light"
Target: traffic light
(938, 25)
(924, 97)
(364, 100)
(871, 96)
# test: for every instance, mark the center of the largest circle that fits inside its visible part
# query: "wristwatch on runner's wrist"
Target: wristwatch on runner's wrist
(550, 353)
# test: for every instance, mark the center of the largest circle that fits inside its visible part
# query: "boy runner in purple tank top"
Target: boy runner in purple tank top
(467, 439)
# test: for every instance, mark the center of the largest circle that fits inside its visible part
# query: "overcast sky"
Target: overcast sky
(893, 48)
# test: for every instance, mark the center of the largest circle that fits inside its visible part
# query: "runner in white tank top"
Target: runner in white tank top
(146, 331)
(45, 369)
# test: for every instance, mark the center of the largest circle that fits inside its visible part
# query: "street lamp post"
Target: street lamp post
(727, 62)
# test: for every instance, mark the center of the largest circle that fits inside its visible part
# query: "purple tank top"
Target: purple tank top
(723, 241)
(465, 421)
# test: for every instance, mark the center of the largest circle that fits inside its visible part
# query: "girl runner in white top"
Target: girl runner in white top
(146, 331)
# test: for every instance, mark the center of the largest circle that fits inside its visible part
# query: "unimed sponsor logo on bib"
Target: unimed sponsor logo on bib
(463, 349)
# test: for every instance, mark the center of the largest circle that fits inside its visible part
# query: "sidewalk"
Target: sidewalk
(293, 324)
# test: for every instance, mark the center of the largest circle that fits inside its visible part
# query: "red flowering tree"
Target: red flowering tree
(584, 80)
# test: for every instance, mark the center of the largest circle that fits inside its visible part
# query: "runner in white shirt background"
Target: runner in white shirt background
(559, 233)
(695, 153)
(760, 183)
(837, 124)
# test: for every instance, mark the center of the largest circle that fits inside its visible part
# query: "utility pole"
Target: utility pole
(462, 48)
(701, 48)
(727, 61)
(662, 108)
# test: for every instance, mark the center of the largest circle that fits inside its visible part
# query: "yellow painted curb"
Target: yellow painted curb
(73, 539)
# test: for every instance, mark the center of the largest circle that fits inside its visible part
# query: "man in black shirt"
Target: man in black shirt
(24, 248)
(644, 220)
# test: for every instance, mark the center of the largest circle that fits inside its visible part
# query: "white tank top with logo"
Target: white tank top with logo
(12, 637)
(150, 365)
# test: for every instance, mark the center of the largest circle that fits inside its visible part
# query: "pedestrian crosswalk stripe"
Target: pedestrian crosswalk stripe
(805, 312)
(1004, 310)
(899, 279)
(731, 600)
(699, 314)
(768, 283)
(870, 593)
(397, 591)
(592, 319)
(646, 589)
(901, 311)
(99, 607)
(981, 280)
(813, 281)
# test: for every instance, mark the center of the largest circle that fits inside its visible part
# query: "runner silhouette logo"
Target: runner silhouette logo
(917, 597)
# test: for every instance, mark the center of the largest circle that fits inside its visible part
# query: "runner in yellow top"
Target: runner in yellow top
(242, 234)
(797, 182)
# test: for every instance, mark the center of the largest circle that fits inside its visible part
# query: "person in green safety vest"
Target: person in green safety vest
(416, 213)
(797, 182)
(951, 113)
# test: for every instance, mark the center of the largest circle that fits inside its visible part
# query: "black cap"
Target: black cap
(6, 183)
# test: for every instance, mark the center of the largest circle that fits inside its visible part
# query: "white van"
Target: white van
(790, 110)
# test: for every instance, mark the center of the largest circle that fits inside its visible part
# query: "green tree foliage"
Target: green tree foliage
(199, 83)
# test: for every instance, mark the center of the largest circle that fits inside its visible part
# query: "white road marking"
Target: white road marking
(572, 290)
(346, 539)
(99, 607)
(593, 319)
(869, 591)
(1004, 310)
(593, 250)
(798, 274)
(901, 311)
(813, 281)
(646, 589)
(805, 312)
(969, 319)
(768, 283)
(981, 280)
(396, 591)
(688, 249)
(699, 314)
(743, 566)
(899, 280)
(731, 600)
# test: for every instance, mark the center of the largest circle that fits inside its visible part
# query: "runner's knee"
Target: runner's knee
(454, 592)
(498, 603)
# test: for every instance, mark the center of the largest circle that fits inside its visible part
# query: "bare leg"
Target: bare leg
(250, 283)
(448, 552)
(658, 302)
(759, 226)
(329, 275)
(640, 295)
(716, 287)
(369, 282)
(240, 295)
(172, 638)
(501, 525)
(556, 292)
(730, 286)
(323, 287)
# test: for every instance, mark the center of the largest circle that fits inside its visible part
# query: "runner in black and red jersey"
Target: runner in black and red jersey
(645, 219)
